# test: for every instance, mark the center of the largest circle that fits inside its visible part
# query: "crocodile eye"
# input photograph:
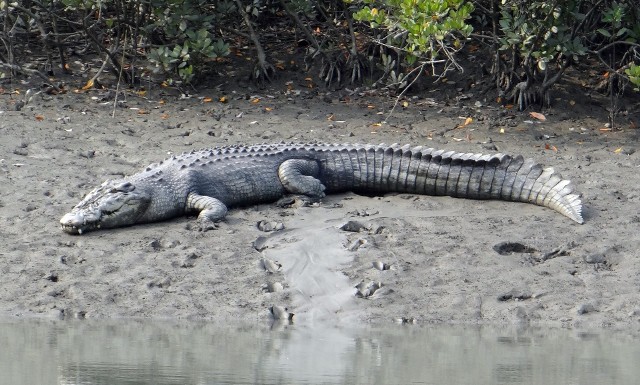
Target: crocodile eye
(124, 187)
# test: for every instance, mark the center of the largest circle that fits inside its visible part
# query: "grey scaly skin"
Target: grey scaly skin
(208, 181)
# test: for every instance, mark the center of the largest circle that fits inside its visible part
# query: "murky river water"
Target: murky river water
(144, 352)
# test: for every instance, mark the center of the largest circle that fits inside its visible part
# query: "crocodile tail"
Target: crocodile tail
(427, 171)
(515, 179)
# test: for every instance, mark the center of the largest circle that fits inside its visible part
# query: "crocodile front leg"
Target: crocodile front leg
(211, 210)
(300, 176)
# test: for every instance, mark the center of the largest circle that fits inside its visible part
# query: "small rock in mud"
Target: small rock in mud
(353, 226)
(270, 226)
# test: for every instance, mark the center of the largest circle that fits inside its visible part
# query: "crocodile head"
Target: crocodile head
(113, 204)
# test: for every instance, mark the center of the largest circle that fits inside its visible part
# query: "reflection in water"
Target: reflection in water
(145, 352)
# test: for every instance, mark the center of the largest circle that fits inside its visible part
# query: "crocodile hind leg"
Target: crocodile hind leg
(299, 177)
(211, 210)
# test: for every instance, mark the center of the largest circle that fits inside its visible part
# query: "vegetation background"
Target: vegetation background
(522, 47)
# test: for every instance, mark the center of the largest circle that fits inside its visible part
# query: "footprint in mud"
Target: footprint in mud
(508, 248)
(365, 290)
(270, 266)
(381, 265)
(269, 226)
(272, 287)
(280, 313)
(188, 262)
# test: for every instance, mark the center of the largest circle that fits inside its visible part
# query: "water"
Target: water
(146, 352)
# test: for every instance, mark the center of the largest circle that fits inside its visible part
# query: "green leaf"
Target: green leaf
(621, 31)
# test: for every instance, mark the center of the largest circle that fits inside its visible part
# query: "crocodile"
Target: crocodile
(209, 181)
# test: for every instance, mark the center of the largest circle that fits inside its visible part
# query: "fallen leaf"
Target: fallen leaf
(268, 109)
(207, 100)
(618, 150)
(467, 121)
(508, 106)
(143, 112)
(142, 93)
(405, 104)
(255, 100)
(548, 146)
(280, 66)
(162, 101)
(164, 116)
(223, 99)
(376, 124)
(331, 117)
(39, 118)
(604, 129)
(572, 102)
(88, 85)
(537, 115)
(502, 130)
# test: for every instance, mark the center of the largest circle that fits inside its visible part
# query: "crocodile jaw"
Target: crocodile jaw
(80, 221)
(113, 204)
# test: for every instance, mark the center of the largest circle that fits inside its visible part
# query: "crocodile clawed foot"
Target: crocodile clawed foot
(203, 225)
(296, 200)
